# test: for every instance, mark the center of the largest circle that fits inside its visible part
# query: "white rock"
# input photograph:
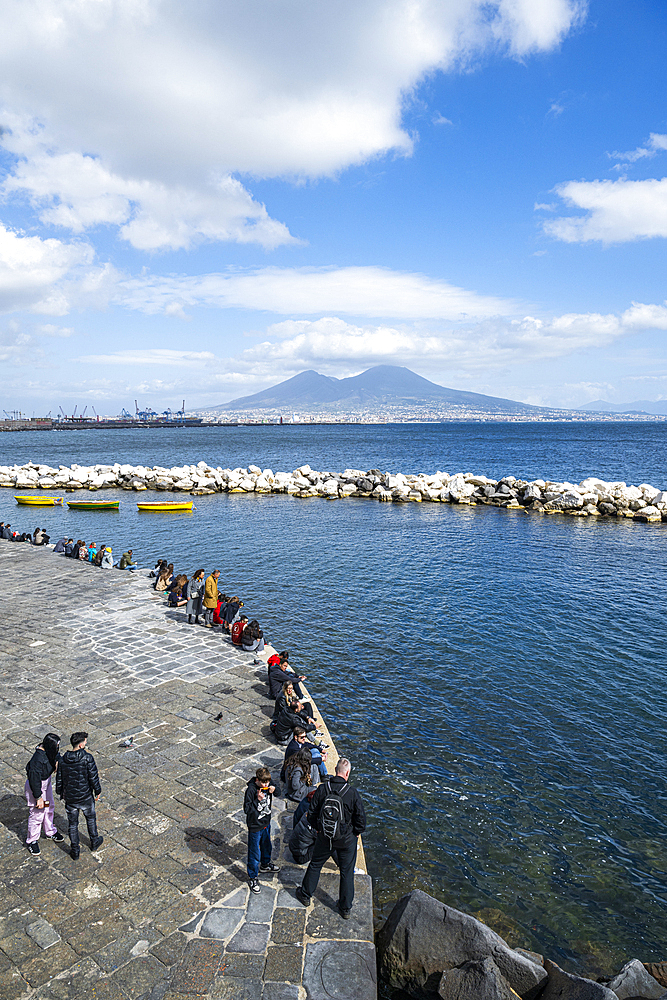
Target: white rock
(634, 981)
(255, 469)
(331, 487)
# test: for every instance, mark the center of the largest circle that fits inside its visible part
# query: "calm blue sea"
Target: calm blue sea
(497, 678)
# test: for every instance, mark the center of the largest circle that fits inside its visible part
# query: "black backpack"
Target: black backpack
(332, 815)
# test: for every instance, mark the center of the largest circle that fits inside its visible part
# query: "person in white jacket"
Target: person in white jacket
(107, 559)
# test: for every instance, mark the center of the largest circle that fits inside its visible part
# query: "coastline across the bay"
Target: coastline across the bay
(591, 497)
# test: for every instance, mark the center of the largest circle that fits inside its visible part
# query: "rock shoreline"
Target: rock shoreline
(591, 497)
(433, 952)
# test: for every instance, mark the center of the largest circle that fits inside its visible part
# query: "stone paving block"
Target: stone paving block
(140, 976)
(288, 926)
(170, 950)
(48, 964)
(344, 970)
(241, 966)
(54, 906)
(235, 989)
(178, 913)
(219, 887)
(125, 948)
(260, 905)
(121, 865)
(72, 984)
(198, 967)
(85, 891)
(104, 989)
(286, 897)
(284, 963)
(12, 985)
(16, 920)
(324, 921)
(237, 898)
(221, 923)
(18, 947)
(42, 933)
(251, 938)
(280, 991)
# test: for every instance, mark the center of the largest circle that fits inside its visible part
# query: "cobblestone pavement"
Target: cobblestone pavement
(162, 910)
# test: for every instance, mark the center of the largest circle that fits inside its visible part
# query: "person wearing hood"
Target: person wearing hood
(107, 559)
(78, 783)
(126, 560)
(39, 793)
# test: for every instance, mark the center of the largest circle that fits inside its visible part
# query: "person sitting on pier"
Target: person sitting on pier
(83, 552)
(300, 741)
(238, 629)
(178, 596)
(301, 775)
(280, 672)
(58, 547)
(160, 566)
(219, 611)
(107, 559)
(97, 561)
(127, 562)
(289, 719)
(74, 554)
(286, 697)
(232, 612)
(165, 578)
(69, 546)
(252, 638)
(38, 536)
(92, 552)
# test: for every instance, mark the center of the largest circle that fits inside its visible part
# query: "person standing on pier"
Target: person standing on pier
(39, 793)
(78, 783)
(210, 597)
(337, 813)
(194, 596)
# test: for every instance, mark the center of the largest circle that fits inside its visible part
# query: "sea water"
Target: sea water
(497, 678)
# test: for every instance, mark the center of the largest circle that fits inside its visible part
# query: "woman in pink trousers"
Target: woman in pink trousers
(39, 793)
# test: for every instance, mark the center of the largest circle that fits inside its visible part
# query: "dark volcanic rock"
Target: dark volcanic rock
(481, 980)
(423, 938)
(563, 986)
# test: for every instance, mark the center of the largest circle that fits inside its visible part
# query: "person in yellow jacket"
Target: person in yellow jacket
(210, 597)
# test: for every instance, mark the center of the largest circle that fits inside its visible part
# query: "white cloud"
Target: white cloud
(77, 191)
(143, 110)
(657, 143)
(618, 211)
(150, 356)
(50, 330)
(359, 291)
(33, 272)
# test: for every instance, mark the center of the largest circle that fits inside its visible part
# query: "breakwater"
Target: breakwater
(591, 497)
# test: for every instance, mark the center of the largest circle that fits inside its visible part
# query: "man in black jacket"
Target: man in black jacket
(352, 826)
(78, 783)
(290, 719)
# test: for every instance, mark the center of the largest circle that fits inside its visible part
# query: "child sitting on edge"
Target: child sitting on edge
(257, 808)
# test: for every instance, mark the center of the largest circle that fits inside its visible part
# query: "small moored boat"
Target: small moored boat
(160, 505)
(40, 501)
(93, 504)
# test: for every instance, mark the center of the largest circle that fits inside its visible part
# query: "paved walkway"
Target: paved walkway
(163, 909)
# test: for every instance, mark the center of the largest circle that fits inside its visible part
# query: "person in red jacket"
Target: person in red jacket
(237, 630)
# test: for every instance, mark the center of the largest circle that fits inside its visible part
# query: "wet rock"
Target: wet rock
(648, 514)
(634, 981)
(658, 970)
(424, 938)
(566, 501)
(564, 986)
(482, 980)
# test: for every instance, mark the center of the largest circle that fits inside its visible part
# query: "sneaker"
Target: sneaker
(318, 733)
(323, 746)
(34, 848)
(254, 885)
(345, 914)
(57, 838)
(270, 868)
(301, 896)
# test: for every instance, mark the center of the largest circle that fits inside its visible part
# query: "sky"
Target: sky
(200, 200)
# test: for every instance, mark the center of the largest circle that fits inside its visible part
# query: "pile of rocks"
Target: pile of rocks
(430, 950)
(589, 498)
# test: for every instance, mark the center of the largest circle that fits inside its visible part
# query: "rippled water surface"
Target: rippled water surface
(496, 677)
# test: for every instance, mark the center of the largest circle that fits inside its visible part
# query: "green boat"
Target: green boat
(93, 504)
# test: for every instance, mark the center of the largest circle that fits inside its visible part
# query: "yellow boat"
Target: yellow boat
(40, 501)
(176, 505)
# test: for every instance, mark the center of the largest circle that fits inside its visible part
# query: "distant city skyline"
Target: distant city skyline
(201, 202)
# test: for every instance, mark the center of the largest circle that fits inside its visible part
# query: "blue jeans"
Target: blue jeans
(300, 810)
(316, 758)
(259, 850)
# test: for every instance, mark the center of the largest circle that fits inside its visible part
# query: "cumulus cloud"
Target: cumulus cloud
(358, 291)
(77, 191)
(167, 91)
(33, 272)
(657, 143)
(150, 356)
(618, 211)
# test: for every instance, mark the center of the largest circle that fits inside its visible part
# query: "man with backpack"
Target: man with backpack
(338, 815)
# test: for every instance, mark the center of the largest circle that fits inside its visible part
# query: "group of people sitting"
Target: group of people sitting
(37, 537)
(202, 599)
(98, 554)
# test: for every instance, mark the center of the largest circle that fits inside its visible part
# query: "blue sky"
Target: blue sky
(201, 204)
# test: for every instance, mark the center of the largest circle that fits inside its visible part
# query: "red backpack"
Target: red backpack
(237, 629)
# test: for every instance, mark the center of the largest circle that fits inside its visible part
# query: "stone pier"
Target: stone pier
(162, 910)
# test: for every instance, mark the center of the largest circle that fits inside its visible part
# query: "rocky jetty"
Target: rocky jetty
(590, 498)
(433, 952)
